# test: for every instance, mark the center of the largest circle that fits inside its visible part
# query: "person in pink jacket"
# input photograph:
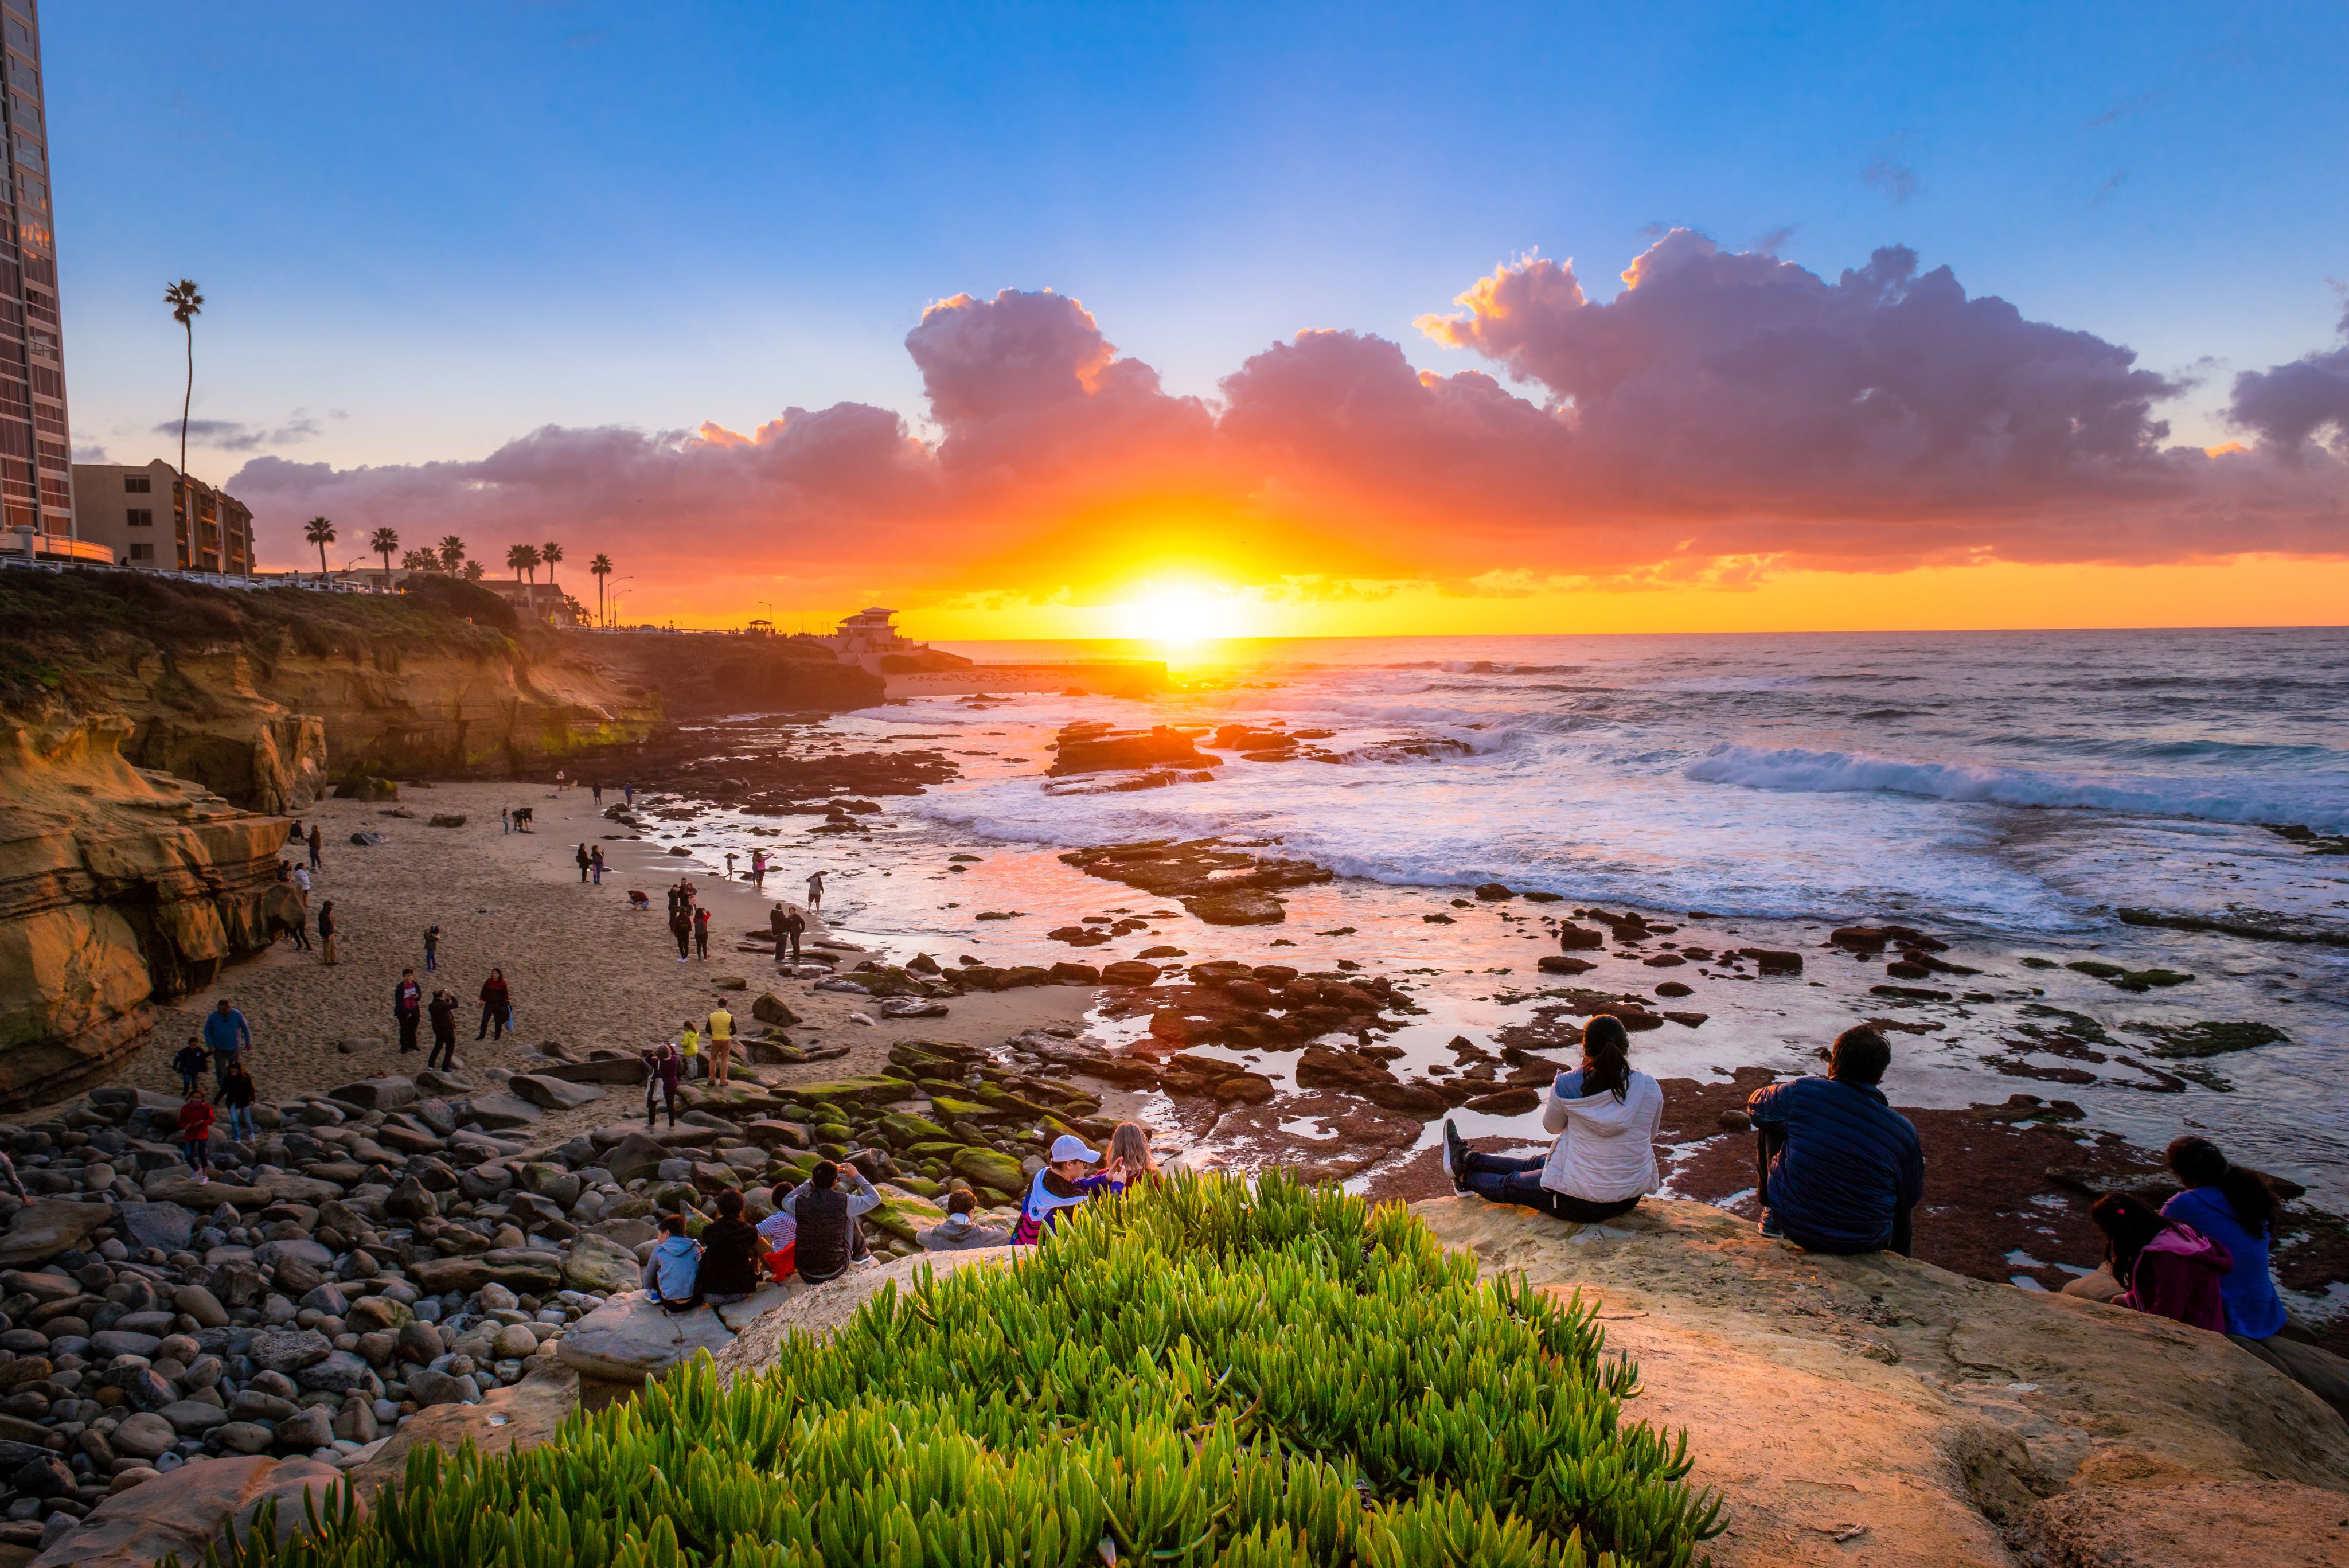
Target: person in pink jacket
(2165, 1266)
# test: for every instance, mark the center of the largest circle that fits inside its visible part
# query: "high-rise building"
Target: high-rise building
(36, 457)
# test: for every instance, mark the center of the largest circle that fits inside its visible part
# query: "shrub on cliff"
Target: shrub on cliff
(1198, 1373)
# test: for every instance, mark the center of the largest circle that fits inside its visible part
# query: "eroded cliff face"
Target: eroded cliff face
(118, 887)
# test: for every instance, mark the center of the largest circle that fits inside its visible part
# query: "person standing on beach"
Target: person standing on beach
(815, 892)
(721, 1045)
(497, 1006)
(298, 927)
(408, 1009)
(327, 932)
(431, 948)
(730, 859)
(236, 1092)
(196, 1136)
(301, 880)
(191, 1062)
(759, 869)
(688, 1047)
(701, 934)
(317, 839)
(595, 794)
(443, 1014)
(788, 923)
(583, 862)
(226, 1033)
(595, 865)
(680, 926)
(663, 1068)
(628, 793)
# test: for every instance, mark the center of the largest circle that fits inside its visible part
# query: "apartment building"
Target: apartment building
(155, 517)
(35, 469)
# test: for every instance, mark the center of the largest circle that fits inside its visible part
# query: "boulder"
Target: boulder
(1238, 906)
(874, 1091)
(386, 1093)
(1065, 973)
(634, 1157)
(309, 1427)
(1130, 971)
(144, 1435)
(519, 1417)
(991, 1168)
(200, 1303)
(534, 1272)
(599, 1263)
(770, 1010)
(192, 1417)
(187, 1511)
(47, 1226)
(288, 1350)
(550, 1093)
(2193, 1525)
(166, 1226)
(629, 1339)
(495, 1112)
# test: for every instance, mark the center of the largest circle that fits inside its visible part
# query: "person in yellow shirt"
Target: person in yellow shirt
(721, 1045)
(689, 1045)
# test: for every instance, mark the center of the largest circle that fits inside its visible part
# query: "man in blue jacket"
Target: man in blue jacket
(226, 1034)
(1841, 1171)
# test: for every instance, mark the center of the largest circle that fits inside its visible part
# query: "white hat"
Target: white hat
(1069, 1146)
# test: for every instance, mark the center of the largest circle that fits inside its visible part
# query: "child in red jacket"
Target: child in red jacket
(196, 1136)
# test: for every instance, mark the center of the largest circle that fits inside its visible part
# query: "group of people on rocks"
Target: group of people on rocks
(817, 1233)
(1838, 1170)
(673, 1062)
(220, 1047)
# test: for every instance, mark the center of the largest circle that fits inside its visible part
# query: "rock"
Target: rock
(1513, 1101)
(516, 1270)
(1572, 938)
(1065, 973)
(288, 1350)
(629, 1339)
(771, 1011)
(551, 1093)
(874, 1091)
(200, 1303)
(113, 1342)
(913, 1007)
(339, 1373)
(991, 1168)
(819, 1310)
(446, 819)
(243, 1436)
(183, 1512)
(309, 1427)
(1130, 971)
(633, 1157)
(369, 1313)
(516, 1418)
(599, 1263)
(387, 1094)
(515, 1341)
(1560, 963)
(144, 1435)
(1773, 961)
(1494, 892)
(426, 1386)
(47, 1226)
(192, 1417)
(1094, 746)
(2193, 1525)
(164, 1226)
(495, 1112)
(420, 1342)
(1240, 907)
(1321, 1068)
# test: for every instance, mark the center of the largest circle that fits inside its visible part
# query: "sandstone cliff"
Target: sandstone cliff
(703, 676)
(116, 888)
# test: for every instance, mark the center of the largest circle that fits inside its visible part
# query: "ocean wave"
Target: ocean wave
(2320, 800)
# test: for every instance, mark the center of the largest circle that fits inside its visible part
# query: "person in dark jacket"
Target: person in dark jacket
(236, 1092)
(830, 1236)
(316, 838)
(326, 933)
(408, 1008)
(191, 1062)
(663, 1069)
(1841, 1171)
(443, 1014)
(497, 1007)
(731, 1253)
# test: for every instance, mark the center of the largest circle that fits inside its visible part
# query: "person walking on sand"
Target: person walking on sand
(506, 820)
(236, 1092)
(815, 892)
(408, 1009)
(443, 1014)
(196, 1136)
(680, 926)
(628, 793)
(595, 865)
(663, 1068)
(191, 1062)
(301, 880)
(701, 934)
(431, 948)
(497, 1007)
(298, 927)
(326, 933)
(759, 869)
(730, 857)
(316, 840)
(721, 1045)
(582, 857)
(226, 1034)
(595, 794)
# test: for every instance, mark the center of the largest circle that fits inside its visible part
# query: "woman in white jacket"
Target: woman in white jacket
(1604, 1161)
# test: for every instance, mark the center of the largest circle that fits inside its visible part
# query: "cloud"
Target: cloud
(2289, 406)
(229, 435)
(1889, 173)
(1724, 415)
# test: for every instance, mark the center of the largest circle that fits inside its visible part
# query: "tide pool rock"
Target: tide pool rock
(629, 1339)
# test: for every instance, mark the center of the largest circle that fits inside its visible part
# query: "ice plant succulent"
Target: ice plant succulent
(1205, 1370)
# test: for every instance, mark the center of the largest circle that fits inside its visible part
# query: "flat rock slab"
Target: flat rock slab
(183, 1512)
(164, 1225)
(597, 1262)
(498, 1111)
(203, 1197)
(2204, 1525)
(518, 1416)
(628, 1339)
(540, 1271)
(376, 1094)
(44, 1229)
(550, 1093)
(821, 1309)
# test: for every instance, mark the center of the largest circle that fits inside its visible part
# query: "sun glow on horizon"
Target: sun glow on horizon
(1177, 614)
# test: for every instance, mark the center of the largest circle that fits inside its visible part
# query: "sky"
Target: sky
(1102, 320)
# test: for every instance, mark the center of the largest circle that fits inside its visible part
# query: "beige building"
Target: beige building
(153, 517)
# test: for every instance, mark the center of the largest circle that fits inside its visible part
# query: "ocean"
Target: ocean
(2008, 792)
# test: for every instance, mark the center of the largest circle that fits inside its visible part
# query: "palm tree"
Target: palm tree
(452, 552)
(321, 533)
(550, 553)
(383, 542)
(186, 304)
(475, 571)
(524, 559)
(421, 561)
(601, 567)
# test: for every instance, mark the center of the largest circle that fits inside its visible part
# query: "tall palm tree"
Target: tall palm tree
(321, 533)
(187, 304)
(524, 559)
(383, 542)
(550, 553)
(452, 552)
(421, 561)
(601, 567)
(475, 571)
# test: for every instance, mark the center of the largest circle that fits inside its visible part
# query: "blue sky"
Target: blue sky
(424, 229)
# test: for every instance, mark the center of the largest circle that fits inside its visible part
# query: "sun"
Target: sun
(1175, 613)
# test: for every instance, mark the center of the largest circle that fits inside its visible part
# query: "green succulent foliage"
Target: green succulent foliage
(1201, 1371)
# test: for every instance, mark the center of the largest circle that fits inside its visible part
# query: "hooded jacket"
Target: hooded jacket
(2177, 1276)
(2253, 1308)
(1606, 1148)
(671, 1270)
(959, 1232)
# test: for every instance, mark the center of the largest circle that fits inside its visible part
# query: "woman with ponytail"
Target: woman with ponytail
(1604, 1160)
(2236, 1209)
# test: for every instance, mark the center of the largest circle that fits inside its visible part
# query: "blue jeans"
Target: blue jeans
(1506, 1178)
(240, 1122)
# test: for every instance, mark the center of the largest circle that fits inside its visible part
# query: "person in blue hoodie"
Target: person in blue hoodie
(1840, 1169)
(673, 1273)
(2238, 1210)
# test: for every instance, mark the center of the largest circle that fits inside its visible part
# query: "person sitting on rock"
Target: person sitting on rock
(2237, 1209)
(673, 1273)
(1840, 1169)
(1604, 1158)
(831, 1231)
(1061, 1185)
(779, 1235)
(191, 1062)
(2164, 1267)
(731, 1251)
(960, 1232)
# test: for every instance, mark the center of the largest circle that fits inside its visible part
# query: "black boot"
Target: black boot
(1455, 1155)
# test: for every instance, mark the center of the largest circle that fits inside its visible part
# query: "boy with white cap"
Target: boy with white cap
(1062, 1185)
